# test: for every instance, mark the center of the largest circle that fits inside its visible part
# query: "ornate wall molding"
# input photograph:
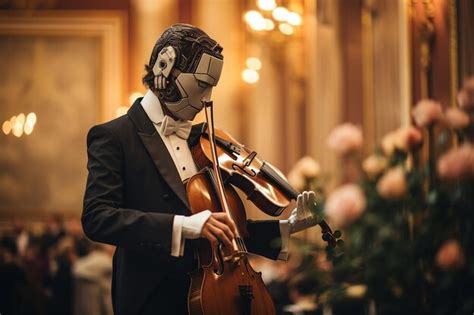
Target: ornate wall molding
(108, 26)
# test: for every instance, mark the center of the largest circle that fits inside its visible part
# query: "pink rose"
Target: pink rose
(450, 255)
(457, 163)
(466, 95)
(345, 138)
(427, 112)
(374, 165)
(345, 205)
(408, 138)
(456, 118)
(297, 180)
(304, 170)
(388, 143)
(393, 184)
(309, 167)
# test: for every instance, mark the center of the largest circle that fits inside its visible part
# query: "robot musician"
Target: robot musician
(135, 196)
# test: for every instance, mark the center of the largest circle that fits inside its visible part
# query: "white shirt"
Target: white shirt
(185, 227)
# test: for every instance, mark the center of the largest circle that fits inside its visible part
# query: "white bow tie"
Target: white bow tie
(181, 128)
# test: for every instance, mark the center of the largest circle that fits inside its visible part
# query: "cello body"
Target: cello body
(240, 292)
(243, 168)
(224, 282)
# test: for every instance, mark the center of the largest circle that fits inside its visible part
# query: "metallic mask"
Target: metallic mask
(194, 87)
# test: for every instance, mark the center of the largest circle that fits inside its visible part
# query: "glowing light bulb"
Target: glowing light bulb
(286, 28)
(17, 128)
(6, 127)
(280, 14)
(21, 118)
(269, 25)
(28, 129)
(294, 19)
(254, 63)
(252, 15)
(250, 76)
(31, 119)
(266, 5)
(255, 20)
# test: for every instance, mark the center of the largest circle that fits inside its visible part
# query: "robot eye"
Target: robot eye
(162, 64)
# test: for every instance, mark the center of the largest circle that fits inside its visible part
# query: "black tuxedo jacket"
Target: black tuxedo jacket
(133, 192)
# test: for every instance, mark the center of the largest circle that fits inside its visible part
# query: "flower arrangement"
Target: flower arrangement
(408, 219)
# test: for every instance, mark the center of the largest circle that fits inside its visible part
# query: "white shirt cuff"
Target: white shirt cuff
(186, 228)
(177, 240)
(192, 226)
(285, 239)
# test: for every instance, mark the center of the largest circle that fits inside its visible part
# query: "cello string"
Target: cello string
(220, 184)
(222, 196)
(238, 240)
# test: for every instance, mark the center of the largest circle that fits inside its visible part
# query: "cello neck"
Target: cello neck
(238, 243)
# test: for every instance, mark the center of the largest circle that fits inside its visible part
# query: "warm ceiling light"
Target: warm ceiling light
(266, 5)
(294, 18)
(28, 128)
(250, 76)
(17, 128)
(286, 28)
(269, 25)
(6, 127)
(31, 119)
(254, 63)
(21, 118)
(252, 15)
(255, 20)
(280, 14)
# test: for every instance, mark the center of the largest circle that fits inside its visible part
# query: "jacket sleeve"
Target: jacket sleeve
(264, 238)
(103, 218)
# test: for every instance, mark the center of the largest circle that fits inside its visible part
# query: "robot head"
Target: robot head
(184, 67)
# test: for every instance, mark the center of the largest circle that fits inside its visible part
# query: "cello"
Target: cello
(261, 182)
(225, 282)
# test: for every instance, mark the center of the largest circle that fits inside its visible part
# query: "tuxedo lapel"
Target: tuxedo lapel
(157, 150)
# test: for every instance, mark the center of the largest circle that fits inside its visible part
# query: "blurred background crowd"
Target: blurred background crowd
(51, 268)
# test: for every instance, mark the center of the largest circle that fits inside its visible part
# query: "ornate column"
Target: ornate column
(222, 20)
(148, 19)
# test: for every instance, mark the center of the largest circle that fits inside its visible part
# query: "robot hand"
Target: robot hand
(301, 217)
